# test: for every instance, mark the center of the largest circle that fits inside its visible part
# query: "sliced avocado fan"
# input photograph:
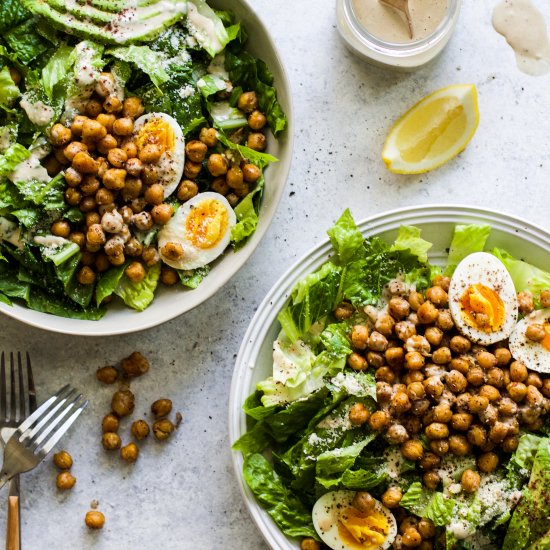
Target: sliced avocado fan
(110, 21)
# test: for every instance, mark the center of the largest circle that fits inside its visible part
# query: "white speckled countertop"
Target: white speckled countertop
(183, 494)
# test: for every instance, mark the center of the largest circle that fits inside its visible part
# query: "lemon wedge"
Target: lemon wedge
(434, 131)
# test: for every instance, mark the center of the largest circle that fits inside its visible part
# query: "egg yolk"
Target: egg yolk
(482, 308)
(156, 131)
(363, 531)
(206, 223)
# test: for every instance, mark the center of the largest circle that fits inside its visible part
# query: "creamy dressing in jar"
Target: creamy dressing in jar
(524, 28)
(390, 25)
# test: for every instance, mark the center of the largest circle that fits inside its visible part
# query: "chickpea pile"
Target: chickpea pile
(123, 404)
(116, 185)
(464, 399)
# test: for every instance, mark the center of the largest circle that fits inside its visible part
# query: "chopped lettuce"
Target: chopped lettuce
(9, 92)
(409, 238)
(247, 216)
(138, 295)
(108, 283)
(206, 27)
(525, 276)
(14, 155)
(149, 61)
(255, 157)
(428, 504)
(12, 13)
(346, 239)
(288, 512)
(467, 239)
(57, 69)
(193, 278)
(25, 40)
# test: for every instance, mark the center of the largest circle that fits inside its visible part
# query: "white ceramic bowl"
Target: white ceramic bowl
(254, 361)
(171, 302)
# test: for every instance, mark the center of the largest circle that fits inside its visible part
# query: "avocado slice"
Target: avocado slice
(108, 21)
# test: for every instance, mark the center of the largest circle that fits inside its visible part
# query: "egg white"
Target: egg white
(171, 163)
(327, 511)
(483, 268)
(532, 354)
(174, 231)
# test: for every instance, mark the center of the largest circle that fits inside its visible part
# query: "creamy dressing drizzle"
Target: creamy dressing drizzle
(10, 232)
(524, 28)
(202, 28)
(30, 169)
(38, 112)
(387, 24)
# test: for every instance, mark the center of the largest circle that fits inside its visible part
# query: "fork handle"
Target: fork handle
(12, 531)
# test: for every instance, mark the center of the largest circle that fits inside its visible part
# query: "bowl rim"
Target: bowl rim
(263, 319)
(80, 327)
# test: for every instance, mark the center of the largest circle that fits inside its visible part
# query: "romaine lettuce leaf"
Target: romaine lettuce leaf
(9, 92)
(525, 276)
(289, 513)
(139, 295)
(193, 278)
(57, 69)
(312, 299)
(428, 504)
(12, 13)
(467, 239)
(346, 239)
(14, 155)
(247, 216)
(206, 27)
(147, 60)
(408, 238)
(26, 42)
(530, 527)
(255, 157)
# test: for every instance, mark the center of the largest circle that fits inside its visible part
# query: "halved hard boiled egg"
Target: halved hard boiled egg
(344, 524)
(530, 341)
(482, 299)
(202, 227)
(161, 131)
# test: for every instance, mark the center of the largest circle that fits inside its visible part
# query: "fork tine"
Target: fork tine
(38, 434)
(32, 389)
(44, 409)
(13, 404)
(21, 388)
(3, 400)
(58, 434)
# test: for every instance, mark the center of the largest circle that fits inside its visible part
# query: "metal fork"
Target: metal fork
(37, 435)
(26, 395)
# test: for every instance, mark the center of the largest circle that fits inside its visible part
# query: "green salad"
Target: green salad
(133, 138)
(408, 405)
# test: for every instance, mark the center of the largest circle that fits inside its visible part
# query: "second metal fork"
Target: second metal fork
(22, 402)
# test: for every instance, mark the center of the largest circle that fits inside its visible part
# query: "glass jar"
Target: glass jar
(401, 56)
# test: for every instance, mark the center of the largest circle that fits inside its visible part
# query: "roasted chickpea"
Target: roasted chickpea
(400, 402)
(434, 386)
(434, 336)
(412, 449)
(518, 372)
(107, 375)
(358, 414)
(65, 481)
(187, 190)
(134, 365)
(415, 391)
(123, 126)
(461, 422)
(140, 429)
(396, 434)
(443, 281)
(477, 435)
(150, 256)
(86, 276)
(162, 429)
(144, 221)
(117, 157)
(135, 272)
(105, 84)
(172, 251)
(150, 153)
(490, 392)
(394, 357)
(110, 423)
(377, 341)
(411, 538)
(414, 360)
(88, 204)
(112, 104)
(84, 163)
(440, 447)
(63, 460)
(132, 107)
(251, 173)
(384, 324)
(110, 441)
(52, 165)
(168, 276)
(431, 479)
(217, 165)
(545, 298)
(510, 443)
(470, 481)
(426, 528)
(459, 445)
(257, 120)
(503, 356)
(427, 313)
(459, 344)
(444, 320)
(430, 461)
(209, 136)
(196, 150)
(399, 308)
(310, 544)
(487, 462)
(93, 130)
(161, 407)
(162, 213)
(256, 141)
(356, 361)
(60, 135)
(363, 501)
(123, 402)
(248, 102)
(534, 379)
(546, 388)
(343, 311)
(525, 302)
(437, 430)
(130, 148)
(133, 166)
(93, 108)
(489, 415)
(392, 497)
(154, 194)
(106, 120)
(476, 376)
(404, 330)
(359, 336)
(94, 519)
(379, 420)
(478, 403)
(77, 124)
(129, 452)
(437, 296)
(486, 360)
(442, 413)
(442, 356)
